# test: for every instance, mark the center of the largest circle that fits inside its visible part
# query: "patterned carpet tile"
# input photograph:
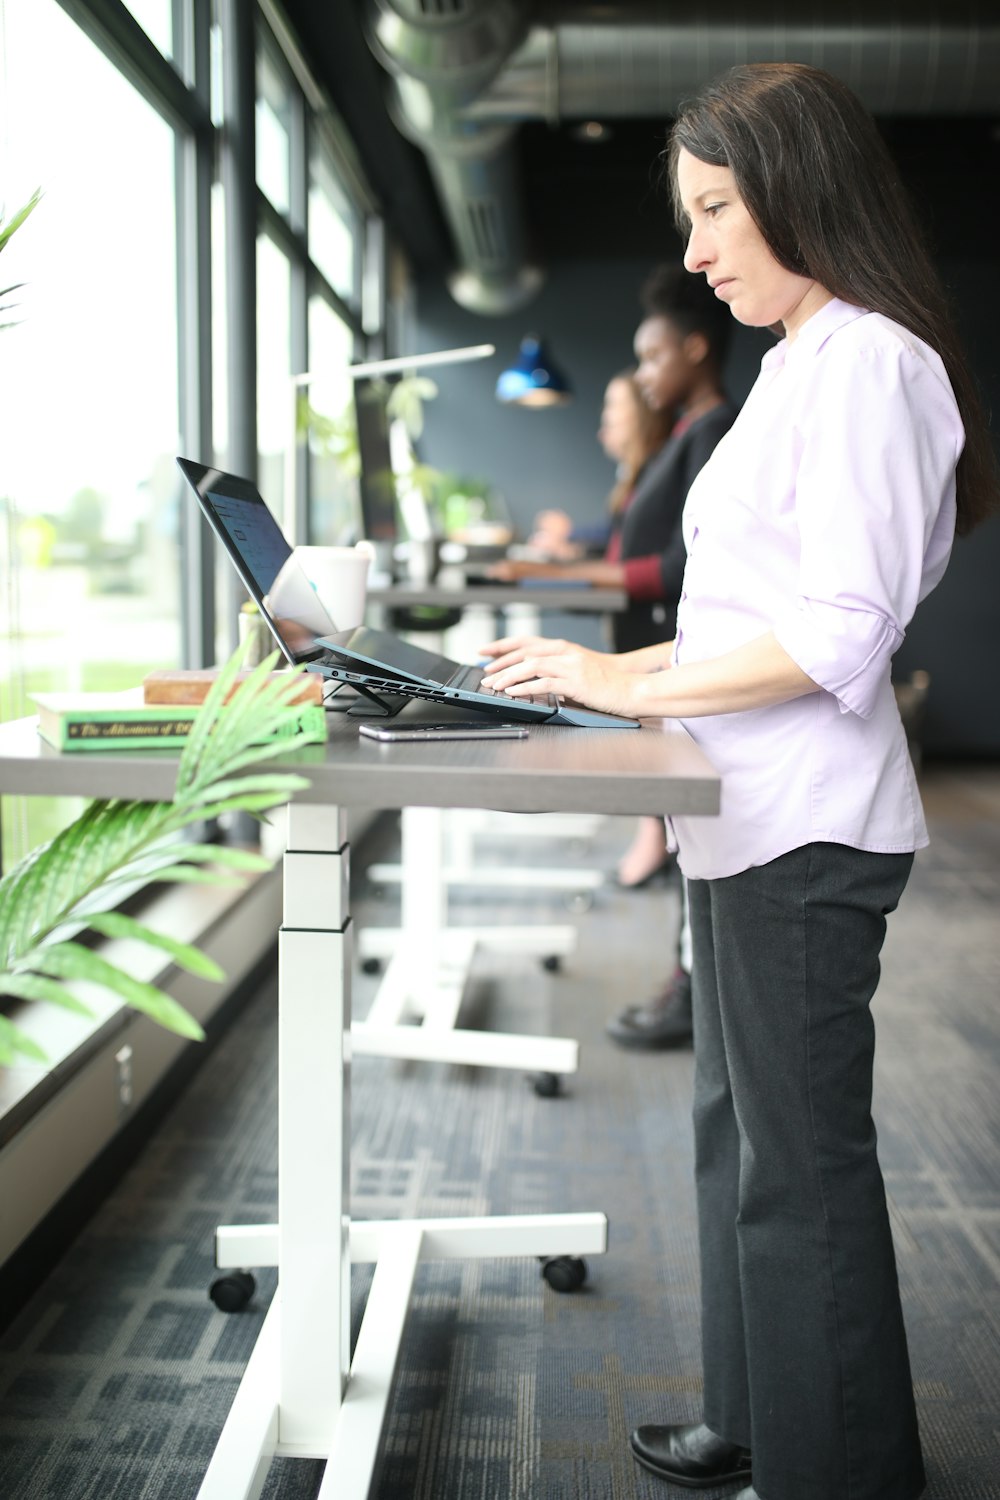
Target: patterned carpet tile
(116, 1378)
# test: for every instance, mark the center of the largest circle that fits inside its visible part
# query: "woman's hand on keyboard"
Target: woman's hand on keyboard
(529, 666)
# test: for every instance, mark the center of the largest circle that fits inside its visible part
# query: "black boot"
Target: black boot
(664, 1021)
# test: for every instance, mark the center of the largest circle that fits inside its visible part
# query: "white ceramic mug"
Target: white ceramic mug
(340, 576)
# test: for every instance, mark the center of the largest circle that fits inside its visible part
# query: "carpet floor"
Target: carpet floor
(116, 1377)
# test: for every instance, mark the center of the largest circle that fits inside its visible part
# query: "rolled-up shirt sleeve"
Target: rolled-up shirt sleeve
(875, 478)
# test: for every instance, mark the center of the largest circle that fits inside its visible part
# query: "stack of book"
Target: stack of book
(157, 715)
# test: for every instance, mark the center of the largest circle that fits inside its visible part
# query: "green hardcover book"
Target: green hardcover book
(109, 721)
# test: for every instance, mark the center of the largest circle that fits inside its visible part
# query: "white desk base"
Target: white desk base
(301, 1395)
(430, 965)
(461, 867)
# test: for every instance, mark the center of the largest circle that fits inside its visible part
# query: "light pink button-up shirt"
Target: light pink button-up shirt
(824, 515)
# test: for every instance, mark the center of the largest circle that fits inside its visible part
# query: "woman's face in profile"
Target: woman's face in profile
(619, 426)
(726, 246)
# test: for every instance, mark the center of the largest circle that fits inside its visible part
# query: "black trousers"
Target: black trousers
(805, 1357)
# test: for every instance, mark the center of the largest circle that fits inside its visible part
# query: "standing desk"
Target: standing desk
(302, 1395)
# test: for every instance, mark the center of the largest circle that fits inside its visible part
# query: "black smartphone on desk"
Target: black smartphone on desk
(404, 733)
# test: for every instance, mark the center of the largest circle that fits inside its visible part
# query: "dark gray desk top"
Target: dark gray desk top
(573, 599)
(655, 769)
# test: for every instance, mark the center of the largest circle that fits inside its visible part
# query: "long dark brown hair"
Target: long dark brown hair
(818, 181)
(652, 428)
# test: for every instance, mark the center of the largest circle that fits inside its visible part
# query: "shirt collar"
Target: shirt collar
(814, 333)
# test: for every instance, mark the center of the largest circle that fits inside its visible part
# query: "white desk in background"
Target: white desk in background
(301, 1395)
(428, 959)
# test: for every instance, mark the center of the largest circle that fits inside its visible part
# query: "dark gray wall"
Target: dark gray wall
(587, 311)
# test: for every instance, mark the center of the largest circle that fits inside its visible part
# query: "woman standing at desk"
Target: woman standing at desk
(821, 521)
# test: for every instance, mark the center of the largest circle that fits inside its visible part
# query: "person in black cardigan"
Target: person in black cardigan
(680, 347)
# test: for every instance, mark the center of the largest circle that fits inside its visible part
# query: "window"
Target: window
(335, 231)
(90, 377)
(335, 509)
(106, 379)
(275, 397)
(156, 19)
(274, 133)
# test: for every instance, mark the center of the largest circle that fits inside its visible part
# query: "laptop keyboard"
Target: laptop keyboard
(467, 679)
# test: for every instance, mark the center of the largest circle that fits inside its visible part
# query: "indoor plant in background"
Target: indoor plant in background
(72, 884)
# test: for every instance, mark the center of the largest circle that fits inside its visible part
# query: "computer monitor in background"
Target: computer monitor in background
(378, 481)
(393, 506)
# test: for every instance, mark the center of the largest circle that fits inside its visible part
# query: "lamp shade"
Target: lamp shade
(533, 380)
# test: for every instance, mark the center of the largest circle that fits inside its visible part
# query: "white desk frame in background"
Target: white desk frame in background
(301, 1395)
(428, 960)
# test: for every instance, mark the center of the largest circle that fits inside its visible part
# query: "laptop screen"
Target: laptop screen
(263, 558)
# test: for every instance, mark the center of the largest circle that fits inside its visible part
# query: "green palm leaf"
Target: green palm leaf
(73, 882)
(12, 1041)
(115, 924)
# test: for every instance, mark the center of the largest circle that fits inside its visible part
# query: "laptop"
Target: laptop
(384, 670)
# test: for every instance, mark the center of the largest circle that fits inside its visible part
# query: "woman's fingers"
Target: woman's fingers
(586, 677)
(505, 644)
(512, 648)
(529, 668)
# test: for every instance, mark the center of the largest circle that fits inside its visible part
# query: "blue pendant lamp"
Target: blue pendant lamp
(533, 380)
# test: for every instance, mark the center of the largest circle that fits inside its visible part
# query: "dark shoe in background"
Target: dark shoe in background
(664, 1021)
(691, 1455)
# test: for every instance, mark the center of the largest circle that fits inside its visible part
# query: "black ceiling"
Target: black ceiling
(604, 199)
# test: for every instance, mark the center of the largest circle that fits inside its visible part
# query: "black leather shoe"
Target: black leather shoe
(664, 1022)
(691, 1455)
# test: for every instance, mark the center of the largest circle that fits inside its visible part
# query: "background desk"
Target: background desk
(452, 590)
(301, 1395)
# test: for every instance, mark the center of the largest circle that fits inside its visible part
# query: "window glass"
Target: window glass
(334, 508)
(274, 141)
(275, 393)
(89, 490)
(156, 19)
(334, 230)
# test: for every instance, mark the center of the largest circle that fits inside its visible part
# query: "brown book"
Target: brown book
(192, 686)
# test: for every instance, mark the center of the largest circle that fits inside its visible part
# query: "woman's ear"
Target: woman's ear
(696, 348)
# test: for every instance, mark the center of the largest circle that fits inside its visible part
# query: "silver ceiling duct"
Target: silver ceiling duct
(466, 73)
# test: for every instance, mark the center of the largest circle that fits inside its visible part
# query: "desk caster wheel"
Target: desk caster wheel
(547, 1085)
(565, 1273)
(371, 966)
(232, 1292)
(552, 963)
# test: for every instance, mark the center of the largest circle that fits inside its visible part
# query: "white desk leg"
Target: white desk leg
(299, 1370)
(313, 1131)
